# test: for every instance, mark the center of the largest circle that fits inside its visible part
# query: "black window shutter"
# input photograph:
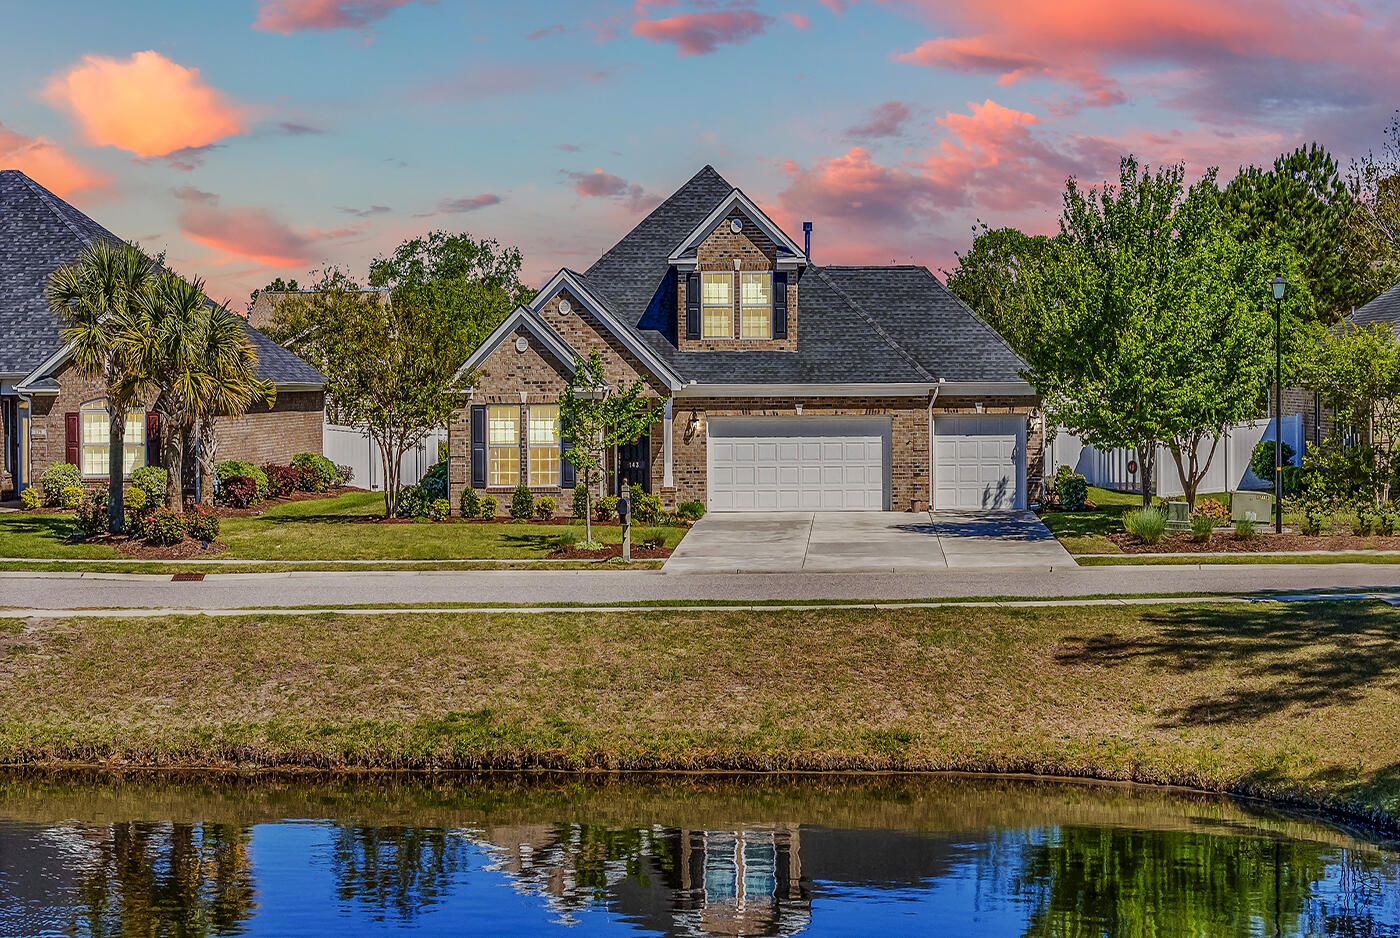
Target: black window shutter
(692, 306)
(780, 304)
(566, 468)
(478, 446)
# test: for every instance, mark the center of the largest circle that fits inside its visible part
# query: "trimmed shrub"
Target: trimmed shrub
(236, 492)
(152, 481)
(201, 523)
(1261, 461)
(136, 498)
(281, 480)
(580, 501)
(1202, 527)
(1146, 524)
(1212, 509)
(488, 507)
(605, 508)
(691, 511)
(92, 515)
(138, 512)
(1387, 519)
(71, 497)
(56, 478)
(470, 503)
(522, 504)
(1363, 519)
(1246, 530)
(439, 509)
(645, 508)
(1073, 490)
(235, 467)
(413, 502)
(544, 507)
(167, 527)
(29, 499)
(434, 481)
(315, 472)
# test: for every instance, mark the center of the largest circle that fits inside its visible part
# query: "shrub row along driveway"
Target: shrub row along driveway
(866, 542)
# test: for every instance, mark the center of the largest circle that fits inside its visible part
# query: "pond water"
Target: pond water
(554, 855)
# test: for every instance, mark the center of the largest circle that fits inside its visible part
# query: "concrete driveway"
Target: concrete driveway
(865, 542)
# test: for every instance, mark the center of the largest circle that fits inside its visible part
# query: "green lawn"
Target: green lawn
(323, 529)
(1300, 701)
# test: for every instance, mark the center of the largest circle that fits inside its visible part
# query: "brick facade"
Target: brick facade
(754, 251)
(260, 436)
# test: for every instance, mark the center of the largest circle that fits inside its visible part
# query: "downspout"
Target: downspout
(931, 469)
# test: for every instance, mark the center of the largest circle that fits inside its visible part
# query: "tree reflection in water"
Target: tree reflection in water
(396, 872)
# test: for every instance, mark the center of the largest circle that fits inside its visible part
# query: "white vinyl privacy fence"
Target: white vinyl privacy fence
(1228, 472)
(353, 447)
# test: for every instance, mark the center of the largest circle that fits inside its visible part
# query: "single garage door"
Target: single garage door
(797, 464)
(979, 462)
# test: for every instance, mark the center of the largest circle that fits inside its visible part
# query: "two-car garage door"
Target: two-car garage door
(798, 464)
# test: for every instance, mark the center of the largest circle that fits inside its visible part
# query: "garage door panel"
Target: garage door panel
(794, 464)
(978, 462)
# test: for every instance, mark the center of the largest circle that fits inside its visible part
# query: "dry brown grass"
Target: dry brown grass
(1293, 701)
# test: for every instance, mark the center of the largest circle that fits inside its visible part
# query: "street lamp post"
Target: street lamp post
(1279, 285)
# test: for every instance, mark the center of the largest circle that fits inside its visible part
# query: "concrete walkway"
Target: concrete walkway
(74, 591)
(865, 542)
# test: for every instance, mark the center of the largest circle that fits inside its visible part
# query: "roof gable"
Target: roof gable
(531, 320)
(736, 199)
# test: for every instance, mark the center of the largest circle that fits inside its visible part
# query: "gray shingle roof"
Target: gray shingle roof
(1384, 308)
(870, 325)
(39, 232)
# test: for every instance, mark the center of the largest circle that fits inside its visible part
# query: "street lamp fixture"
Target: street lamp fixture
(1280, 286)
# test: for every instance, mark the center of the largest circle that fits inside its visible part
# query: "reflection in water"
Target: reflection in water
(110, 857)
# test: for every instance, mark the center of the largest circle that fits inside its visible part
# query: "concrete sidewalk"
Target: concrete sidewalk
(513, 588)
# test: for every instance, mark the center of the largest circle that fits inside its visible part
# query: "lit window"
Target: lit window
(717, 319)
(756, 313)
(544, 445)
(96, 430)
(503, 446)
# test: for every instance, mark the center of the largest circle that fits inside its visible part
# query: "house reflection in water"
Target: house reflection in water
(674, 881)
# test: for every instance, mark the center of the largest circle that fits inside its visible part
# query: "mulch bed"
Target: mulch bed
(1225, 542)
(610, 551)
(140, 550)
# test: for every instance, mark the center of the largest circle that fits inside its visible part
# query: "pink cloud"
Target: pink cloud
(799, 21)
(47, 163)
(470, 203)
(148, 105)
(253, 233)
(887, 120)
(703, 33)
(601, 185)
(291, 16)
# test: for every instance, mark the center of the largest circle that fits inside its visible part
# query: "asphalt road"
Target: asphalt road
(272, 590)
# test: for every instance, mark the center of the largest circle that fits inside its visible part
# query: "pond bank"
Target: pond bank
(1295, 704)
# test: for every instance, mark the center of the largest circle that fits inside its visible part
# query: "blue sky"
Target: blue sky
(252, 138)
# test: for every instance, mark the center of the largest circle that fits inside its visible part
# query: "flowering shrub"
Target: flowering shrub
(236, 492)
(201, 523)
(439, 509)
(234, 467)
(413, 502)
(315, 473)
(71, 497)
(29, 499)
(92, 513)
(138, 513)
(281, 481)
(167, 527)
(56, 478)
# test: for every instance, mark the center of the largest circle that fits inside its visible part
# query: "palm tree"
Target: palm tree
(197, 359)
(95, 297)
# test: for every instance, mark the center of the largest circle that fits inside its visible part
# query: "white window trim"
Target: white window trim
(99, 405)
(706, 307)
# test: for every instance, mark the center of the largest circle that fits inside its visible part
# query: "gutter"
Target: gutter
(932, 397)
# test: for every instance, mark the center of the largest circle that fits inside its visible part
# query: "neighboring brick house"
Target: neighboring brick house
(786, 385)
(49, 413)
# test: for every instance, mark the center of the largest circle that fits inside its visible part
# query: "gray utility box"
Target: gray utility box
(1251, 506)
(1178, 516)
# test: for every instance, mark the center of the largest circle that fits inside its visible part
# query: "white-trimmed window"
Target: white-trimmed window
(756, 309)
(717, 305)
(503, 445)
(95, 429)
(544, 445)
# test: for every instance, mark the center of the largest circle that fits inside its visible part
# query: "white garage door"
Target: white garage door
(979, 462)
(797, 464)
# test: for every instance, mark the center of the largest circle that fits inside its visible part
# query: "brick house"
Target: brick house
(787, 385)
(49, 413)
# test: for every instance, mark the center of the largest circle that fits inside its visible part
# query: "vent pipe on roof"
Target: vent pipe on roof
(807, 239)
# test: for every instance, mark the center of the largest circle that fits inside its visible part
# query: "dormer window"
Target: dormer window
(756, 312)
(717, 319)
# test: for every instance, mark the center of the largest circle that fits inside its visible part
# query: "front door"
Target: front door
(634, 465)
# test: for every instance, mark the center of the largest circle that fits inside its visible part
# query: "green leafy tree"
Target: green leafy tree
(1356, 372)
(389, 361)
(1373, 236)
(598, 417)
(94, 297)
(1303, 201)
(988, 278)
(1150, 320)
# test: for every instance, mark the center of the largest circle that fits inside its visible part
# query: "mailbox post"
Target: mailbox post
(624, 514)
